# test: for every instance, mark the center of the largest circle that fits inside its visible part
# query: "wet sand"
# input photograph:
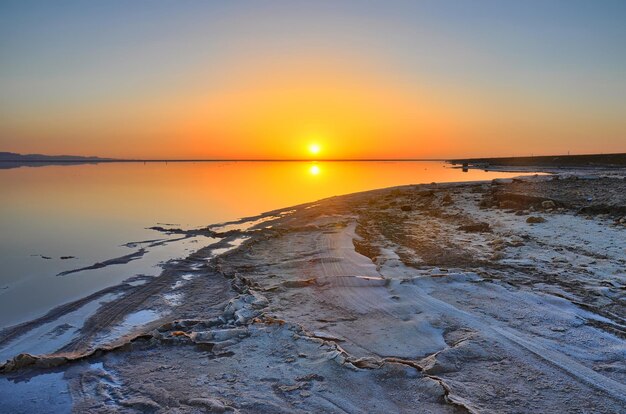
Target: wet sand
(502, 296)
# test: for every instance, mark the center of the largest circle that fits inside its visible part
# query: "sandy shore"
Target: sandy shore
(506, 296)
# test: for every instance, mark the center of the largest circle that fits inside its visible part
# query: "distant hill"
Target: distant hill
(14, 157)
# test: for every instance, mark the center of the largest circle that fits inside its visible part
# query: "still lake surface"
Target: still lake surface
(55, 218)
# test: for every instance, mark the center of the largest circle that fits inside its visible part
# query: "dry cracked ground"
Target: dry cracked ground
(506, 296)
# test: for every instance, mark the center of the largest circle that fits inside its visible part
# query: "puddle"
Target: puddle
(131, 323)
(232, 246)
(246, 225)
(51, 336)
(52, 291)
(44, 394)
(138, 282)
(140, 318)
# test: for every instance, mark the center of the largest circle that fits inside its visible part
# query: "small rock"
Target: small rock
(515, 242)
(476, 228)
(558, 328)
(548, 204)
(299, 283)
(535, 220)
(508, 204)
(290, 388)
(406, 208)
(20, 361)
(141, 403)
(211, 404)
(310, 377)
(326, 336)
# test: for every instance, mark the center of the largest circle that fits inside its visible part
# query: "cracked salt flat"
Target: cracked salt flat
(173, 299)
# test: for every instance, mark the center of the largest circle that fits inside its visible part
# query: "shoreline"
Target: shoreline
(393, 282)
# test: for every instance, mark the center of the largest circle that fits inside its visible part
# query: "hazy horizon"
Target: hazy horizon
(303, 159)
(375, 80)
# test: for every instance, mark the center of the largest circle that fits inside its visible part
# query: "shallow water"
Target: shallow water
(45, 394)
(90, 212)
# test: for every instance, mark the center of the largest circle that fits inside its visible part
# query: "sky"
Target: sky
(269, 79)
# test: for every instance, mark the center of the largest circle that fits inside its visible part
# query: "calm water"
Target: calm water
(91, 211)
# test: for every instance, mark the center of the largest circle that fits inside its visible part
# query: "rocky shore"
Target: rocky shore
(502, 296)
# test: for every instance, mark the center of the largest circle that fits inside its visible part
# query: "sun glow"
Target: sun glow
(314, 149)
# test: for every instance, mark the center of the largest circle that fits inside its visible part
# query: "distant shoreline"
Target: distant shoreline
(583, 160)
(617, 160)
(52, 160)
(234, 160)
(544, 162)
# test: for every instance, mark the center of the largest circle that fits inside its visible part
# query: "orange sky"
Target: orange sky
(254, 82)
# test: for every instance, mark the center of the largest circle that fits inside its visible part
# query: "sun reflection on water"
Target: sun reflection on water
(314, 169)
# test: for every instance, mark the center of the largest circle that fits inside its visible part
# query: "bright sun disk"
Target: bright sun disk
(314, 149)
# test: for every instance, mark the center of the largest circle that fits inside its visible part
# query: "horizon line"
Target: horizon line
(93, 159)
(96, 159)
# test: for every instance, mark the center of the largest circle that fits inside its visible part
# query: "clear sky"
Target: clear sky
(266, 79)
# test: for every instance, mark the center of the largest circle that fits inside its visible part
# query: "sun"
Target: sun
(314, 149)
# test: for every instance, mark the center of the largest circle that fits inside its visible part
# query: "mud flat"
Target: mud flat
(503, 296)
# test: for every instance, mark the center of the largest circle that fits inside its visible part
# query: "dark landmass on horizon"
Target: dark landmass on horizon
(586, 160)
(10, 160)
(12, 157)
(14, 160)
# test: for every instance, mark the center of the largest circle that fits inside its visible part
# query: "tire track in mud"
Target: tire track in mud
(366, 299)
(508, 336)
(10, 333)
(110, 313)
(113, 312)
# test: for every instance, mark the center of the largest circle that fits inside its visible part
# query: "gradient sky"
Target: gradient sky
(264, 79)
